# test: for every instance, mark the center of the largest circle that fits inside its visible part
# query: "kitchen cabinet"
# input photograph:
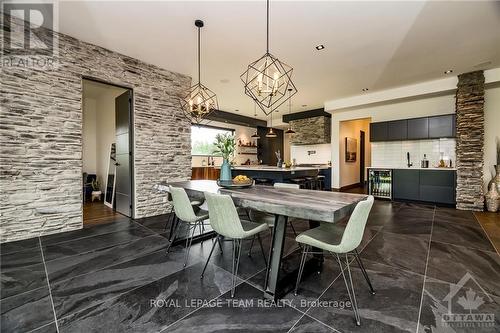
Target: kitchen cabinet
(438, 186)
(442, 126)
(418, 128)
(414, 129)
(397, 130)
(406, 184)
(378, 131)
(208, 172)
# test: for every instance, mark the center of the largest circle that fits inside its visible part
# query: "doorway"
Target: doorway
(107, 154)
(362, 172)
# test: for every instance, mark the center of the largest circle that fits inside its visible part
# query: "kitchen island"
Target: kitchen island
(277, 174)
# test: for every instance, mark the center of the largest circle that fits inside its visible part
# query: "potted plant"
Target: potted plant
(225, 145)
(96, 190)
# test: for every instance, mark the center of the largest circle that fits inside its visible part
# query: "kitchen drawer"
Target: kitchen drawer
(438, 186)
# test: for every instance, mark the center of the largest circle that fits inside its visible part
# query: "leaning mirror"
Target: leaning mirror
(110, 178)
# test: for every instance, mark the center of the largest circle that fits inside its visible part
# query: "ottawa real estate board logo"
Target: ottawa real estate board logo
(467, 307)
(28, 38)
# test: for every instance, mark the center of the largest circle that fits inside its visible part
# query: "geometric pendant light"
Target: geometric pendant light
(199, 101)
(267, 80)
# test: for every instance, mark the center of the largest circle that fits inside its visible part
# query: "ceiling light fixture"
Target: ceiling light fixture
(255, 135)
(267, 79)
(320, 47)
(271, 133)
(449, 71)
(199, 101)
(289, 130)
(364, 89)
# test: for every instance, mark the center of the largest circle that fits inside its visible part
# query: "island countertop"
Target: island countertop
(275, 168)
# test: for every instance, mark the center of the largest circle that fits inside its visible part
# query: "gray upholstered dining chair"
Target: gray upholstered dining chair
(184, 211)
(328, 237)
(224, 219)
(261, 217)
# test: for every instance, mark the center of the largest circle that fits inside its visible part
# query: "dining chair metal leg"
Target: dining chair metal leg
(262, 249)
(210, 255)
(301, 268)
(350, 288)
(363, 270)
(236, 263)
(169, 219)
(175, 224)
(251, 246)
(189, 241)
(173, 236)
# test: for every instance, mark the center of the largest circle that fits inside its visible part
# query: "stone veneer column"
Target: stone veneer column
(470, 141)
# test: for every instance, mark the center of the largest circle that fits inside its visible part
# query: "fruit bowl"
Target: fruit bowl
(236, 182)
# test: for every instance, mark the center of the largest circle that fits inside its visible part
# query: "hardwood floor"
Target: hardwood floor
(95, 213)
(491, 225)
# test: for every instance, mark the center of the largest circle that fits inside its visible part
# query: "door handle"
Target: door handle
(117, 164)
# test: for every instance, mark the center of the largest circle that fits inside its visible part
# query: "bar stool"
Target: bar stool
(339, 243)
(263, 181)
(321, 182)
(311, 182)
(299, 181)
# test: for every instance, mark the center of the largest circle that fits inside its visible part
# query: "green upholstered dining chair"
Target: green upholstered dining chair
(261, 217)
(226, 222)
(330, 238)
(184, 211)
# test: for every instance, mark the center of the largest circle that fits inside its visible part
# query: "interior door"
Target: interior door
(123, 191)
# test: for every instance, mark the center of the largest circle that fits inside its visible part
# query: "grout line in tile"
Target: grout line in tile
(465, 247)
(48, 284)
(35, 329)
(425, 272)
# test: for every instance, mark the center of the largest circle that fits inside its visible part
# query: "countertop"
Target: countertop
(275, 168)
(413, 168)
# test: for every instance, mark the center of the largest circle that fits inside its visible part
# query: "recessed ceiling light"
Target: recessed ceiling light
(364, 89)
(224, 81)
(304, 105)
(449, 71)
(320, 47)
(237, 110)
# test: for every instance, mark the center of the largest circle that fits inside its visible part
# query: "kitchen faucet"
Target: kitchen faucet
(409, 164)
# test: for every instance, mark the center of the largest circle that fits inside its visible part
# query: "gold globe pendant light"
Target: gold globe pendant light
(267, 79)
(271, 133)
(199, 101)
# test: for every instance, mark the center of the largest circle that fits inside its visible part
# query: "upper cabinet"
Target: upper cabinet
(414, 129)
(442, 126)
(378, 131)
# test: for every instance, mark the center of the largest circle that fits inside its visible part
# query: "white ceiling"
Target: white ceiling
(375, 45)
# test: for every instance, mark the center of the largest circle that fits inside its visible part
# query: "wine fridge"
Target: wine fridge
(380, 183)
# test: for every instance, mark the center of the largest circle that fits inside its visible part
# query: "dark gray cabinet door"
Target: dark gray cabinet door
(405, 184)
(442, 126)
(378, 131)
(437, 186)
(397, 130)
(418, 128)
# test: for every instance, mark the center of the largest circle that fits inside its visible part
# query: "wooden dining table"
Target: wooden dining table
(310, 205)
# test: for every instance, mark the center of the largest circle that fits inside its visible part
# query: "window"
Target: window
(203, 137)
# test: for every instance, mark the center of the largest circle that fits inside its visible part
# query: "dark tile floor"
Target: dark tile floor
(424, 262)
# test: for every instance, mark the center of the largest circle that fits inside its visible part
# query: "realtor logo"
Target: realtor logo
(28, 38)
(461, 307)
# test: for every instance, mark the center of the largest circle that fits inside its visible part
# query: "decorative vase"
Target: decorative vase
(225, 170)
(492, 199)
(496, 179)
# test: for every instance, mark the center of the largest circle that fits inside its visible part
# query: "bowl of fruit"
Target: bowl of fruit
(239, 181)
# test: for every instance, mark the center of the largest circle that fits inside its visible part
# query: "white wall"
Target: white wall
(349, 171)
(491, 131)
(89, 155)
(322, 155)
(392, 110)
(243, 133)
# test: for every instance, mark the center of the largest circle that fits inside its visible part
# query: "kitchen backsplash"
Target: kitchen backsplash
(393, 154)
(311, 154)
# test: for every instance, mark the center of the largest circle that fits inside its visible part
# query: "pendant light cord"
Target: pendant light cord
(199, 55)
(267, 32)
